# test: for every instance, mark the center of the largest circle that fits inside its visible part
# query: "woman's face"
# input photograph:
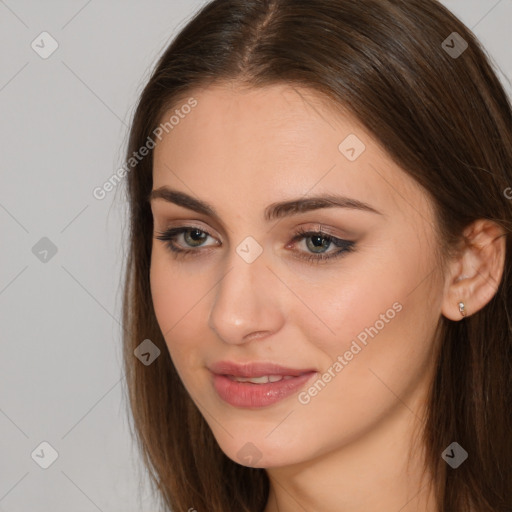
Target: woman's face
(354, 314)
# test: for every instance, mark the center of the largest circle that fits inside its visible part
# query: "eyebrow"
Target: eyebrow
(273, 211)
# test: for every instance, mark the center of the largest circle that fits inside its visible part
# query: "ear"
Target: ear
(474, 276)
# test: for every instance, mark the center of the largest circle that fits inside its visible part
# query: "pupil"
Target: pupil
(319, 242)
(195, 235)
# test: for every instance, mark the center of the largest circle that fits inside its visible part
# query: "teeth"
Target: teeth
(264, 379)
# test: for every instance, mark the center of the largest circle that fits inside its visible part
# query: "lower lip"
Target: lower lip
(247, 394)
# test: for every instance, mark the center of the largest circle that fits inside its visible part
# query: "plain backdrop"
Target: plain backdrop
(63, 128)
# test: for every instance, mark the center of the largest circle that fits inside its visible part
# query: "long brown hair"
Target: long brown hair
(444, 118)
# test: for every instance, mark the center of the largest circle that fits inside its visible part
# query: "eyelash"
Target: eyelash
(346, 246)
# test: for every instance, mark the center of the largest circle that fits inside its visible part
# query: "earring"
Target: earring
(462, 308)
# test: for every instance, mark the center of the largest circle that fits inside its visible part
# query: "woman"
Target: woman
(372, 137)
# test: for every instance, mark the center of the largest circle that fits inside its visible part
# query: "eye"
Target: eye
(191, 235)
(317, 242)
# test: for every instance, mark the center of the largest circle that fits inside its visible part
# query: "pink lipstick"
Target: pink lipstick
(254, 385)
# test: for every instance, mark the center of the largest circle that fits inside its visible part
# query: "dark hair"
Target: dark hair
(444, 118)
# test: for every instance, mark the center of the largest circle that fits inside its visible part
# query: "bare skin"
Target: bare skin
(347, 448)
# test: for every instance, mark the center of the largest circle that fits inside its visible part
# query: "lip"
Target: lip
(249, 395)
(255, 369)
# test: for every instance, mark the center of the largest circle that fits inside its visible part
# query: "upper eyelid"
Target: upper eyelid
(300, 233)
(312, 227)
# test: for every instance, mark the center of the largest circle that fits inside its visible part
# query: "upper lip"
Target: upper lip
(255, 369)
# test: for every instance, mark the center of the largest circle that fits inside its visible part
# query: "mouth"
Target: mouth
(264, 379)
(255, 385)
(256, 369)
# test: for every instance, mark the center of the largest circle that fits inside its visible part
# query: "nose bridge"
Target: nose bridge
(245, 301)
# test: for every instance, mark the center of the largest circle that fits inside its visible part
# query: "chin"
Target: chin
(261, 452)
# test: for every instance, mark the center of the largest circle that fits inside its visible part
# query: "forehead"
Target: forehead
(259, 145)
(278, 120)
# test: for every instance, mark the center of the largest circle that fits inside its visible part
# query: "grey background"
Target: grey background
(63, 127)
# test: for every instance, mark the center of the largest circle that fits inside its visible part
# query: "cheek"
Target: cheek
(378, 318)
(177, 300)
(369, 367)
(339, 307)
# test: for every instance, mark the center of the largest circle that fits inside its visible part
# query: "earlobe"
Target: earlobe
(475, 275)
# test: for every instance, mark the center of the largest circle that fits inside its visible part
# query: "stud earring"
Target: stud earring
(462, 308)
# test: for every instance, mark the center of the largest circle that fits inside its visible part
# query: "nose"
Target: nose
(246, 304)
